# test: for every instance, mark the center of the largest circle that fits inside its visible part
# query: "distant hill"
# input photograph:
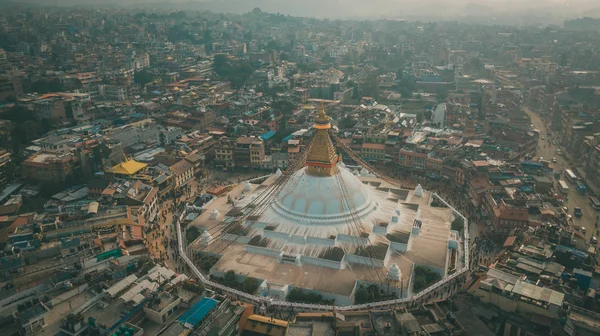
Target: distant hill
(586, 23)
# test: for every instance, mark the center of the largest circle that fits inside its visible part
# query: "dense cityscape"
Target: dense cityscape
(185, 172)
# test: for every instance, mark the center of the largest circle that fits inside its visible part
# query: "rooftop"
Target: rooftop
(128, 167)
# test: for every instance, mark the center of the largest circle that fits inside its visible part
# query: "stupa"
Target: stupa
(327, 229)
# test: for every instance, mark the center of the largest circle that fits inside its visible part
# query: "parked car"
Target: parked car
(553, 160)
(577, 212)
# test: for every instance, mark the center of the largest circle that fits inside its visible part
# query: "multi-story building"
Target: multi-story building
(49, 167)
(143, 131)
(249, 152)
(373, 152)
(5, 161)
(114, 92)
(412, 160)
(509, 217)
(10, 86)
(183, 172)
(224, 153)
(136, 193)
(90, 84)
(511, 294)
(159, 310)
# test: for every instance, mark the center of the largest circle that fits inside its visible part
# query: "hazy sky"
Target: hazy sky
(556, 9)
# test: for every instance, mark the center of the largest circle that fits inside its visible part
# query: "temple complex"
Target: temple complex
(328, 228)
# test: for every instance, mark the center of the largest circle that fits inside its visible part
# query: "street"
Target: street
(547, 150)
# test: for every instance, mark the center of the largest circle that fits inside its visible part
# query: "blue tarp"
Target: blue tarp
(267, 135)
(198, 312)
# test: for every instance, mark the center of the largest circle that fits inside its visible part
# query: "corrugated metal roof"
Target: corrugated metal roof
(539, 293)
(121, 285)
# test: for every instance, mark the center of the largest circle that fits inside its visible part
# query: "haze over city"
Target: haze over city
(484, 11)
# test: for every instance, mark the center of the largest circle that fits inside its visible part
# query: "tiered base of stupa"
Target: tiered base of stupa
(309, 238)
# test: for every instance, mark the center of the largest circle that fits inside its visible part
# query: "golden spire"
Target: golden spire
(322, 157)
(322, 121)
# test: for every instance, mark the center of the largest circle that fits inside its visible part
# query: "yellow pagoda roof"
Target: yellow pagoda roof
(129, 167)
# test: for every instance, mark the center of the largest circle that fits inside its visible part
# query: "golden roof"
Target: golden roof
(322, 157)
(322, 121)
(322, 149)
(262, 325)
(129, 167)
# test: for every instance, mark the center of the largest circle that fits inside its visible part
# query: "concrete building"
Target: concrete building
(183, 172)
(159, 309)
(224, 153)
(249, 152)
(511, 294)
(49, 167)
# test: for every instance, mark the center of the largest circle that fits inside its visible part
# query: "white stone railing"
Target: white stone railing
(315, 307)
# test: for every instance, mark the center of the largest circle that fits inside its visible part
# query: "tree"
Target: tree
(424, 277)
(236, 72)
(250, 285)
(370, 86)
(427, 114)
(47, 85)
(25, 127)
(230, 279)
(219, 62)
(458, 224)
(361, 295)
(142, 77)
(346, 122)
(191, 234)
(272, 45)
(420, 117)
(285, 107)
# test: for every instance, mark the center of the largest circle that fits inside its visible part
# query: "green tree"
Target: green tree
(346, 122)
(25, 127)
(370, 85)
(427, 114)
(285, 107)
(420, 116)
(46, 85)
(250, 285)
(142, 77)
(236, 72)
(424, 277)
(361, 295)
(458, 224)
(192, 233)
(230, 279)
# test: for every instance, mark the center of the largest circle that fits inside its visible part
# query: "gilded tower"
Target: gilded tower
(322, 157)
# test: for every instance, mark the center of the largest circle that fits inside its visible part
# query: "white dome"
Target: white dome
(205, 238)
(247, 187)
(318, 199)
(394, 272)
(418, 191)
(213, 214)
